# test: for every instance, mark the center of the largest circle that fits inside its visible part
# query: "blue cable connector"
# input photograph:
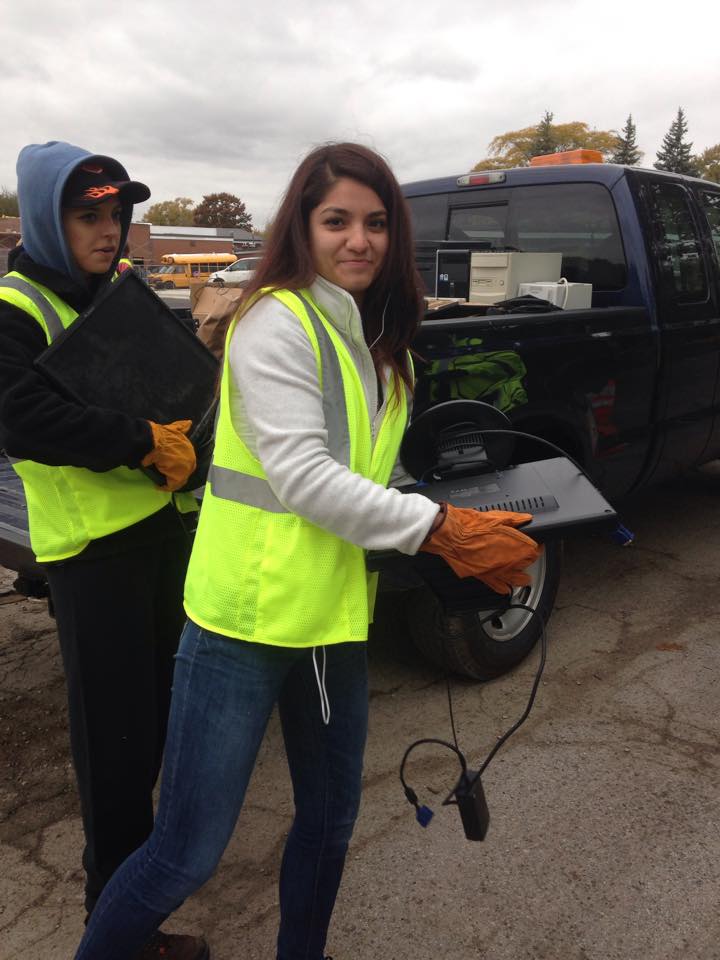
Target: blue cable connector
(423, 815)
(622, 536)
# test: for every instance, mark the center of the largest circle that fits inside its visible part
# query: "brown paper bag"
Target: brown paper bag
(213, 307)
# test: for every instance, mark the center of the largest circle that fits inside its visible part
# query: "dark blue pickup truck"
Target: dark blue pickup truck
(628, 387)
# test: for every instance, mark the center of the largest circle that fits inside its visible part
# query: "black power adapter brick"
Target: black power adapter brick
(468, 793)
(473, 806)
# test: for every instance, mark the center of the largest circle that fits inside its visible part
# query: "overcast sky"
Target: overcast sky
(198, 97)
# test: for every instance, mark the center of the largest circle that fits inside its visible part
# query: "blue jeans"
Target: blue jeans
(223, 694)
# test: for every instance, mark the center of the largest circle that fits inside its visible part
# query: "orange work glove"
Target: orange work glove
(172, 454)
(486, 545)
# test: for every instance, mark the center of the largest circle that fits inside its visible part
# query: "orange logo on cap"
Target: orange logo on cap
(95, 193)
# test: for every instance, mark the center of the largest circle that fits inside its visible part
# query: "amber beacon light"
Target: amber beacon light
(567, 156)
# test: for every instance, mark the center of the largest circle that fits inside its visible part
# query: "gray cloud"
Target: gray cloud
(231, 99)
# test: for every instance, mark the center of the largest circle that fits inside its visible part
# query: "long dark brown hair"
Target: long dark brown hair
(287, 259)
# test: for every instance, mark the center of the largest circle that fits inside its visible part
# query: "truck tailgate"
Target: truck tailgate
(15, 552)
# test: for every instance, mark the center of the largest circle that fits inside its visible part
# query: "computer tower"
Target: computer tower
(496, 276)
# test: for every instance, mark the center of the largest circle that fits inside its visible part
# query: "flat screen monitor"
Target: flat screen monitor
(129, 352)
(453, 274)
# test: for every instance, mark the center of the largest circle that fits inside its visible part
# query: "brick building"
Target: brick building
(9, 236)
(149, 243)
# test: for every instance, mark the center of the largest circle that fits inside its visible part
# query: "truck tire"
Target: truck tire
(458, 642)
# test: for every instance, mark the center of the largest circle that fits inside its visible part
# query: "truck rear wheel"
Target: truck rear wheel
(459, 642)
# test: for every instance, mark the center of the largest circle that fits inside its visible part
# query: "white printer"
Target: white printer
(567, 296)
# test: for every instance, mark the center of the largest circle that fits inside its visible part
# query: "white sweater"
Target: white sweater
(276, 409)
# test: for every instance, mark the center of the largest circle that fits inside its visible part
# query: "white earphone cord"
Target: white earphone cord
(382, 324)
(324, 699)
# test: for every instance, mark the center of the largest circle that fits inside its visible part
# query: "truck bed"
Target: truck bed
(15, 552)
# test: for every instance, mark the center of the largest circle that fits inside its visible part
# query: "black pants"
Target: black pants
(119, 619)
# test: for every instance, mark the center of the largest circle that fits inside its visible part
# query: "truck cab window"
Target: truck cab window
(676, 242)
(710, 202)
(429, 216)
(484, 224)
(577, 220)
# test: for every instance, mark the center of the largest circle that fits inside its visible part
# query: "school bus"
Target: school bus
(179, 270)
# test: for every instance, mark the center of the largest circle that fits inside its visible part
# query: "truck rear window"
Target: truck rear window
(575, 219)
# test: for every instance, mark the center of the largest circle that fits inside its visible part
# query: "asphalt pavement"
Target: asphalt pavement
(603, 841)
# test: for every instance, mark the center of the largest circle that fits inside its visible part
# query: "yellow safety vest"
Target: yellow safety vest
(261, 573)
(70, 506)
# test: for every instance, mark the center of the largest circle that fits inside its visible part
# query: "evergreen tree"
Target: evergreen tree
(675, 154)
(544, 140)
(627, 151)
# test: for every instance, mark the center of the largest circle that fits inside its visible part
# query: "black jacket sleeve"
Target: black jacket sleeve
(38, 423)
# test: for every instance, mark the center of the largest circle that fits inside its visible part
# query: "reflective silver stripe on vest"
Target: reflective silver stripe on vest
(334, 409)
(14, 459)
(253, 491)
(49, 314)
(243, 488)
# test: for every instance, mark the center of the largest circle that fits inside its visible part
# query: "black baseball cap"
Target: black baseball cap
(98, 179)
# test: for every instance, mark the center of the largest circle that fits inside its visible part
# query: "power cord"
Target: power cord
(468, 793)
(488, 463)
(513, 433)
(531, 436)
(564, 283)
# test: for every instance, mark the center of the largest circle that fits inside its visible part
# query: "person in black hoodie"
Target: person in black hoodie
(114, 545)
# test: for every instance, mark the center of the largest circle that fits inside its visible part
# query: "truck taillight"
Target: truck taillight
(477, 179)
(567, 156)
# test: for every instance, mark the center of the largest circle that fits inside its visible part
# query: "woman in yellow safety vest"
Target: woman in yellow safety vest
(313, 405)
(112, 542)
